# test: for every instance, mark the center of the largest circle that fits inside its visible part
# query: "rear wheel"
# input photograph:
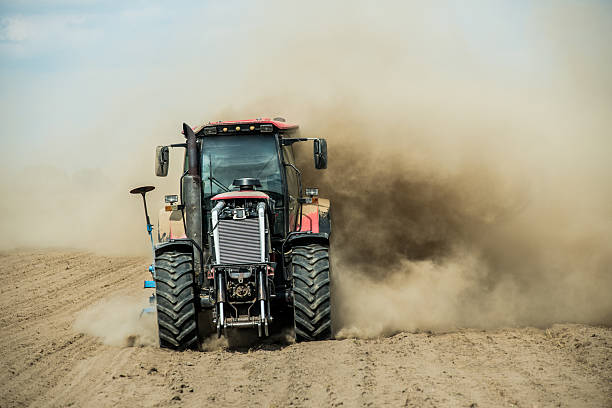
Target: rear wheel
(311, 292)
(176, 301)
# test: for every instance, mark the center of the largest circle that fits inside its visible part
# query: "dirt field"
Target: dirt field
(46, 362)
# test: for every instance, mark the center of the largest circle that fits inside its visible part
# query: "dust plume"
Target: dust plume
(118, 321)
(475, 194)
(481, 236)
(214, 343)
(468, 151)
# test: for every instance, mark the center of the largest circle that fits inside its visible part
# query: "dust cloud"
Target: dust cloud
(469, 154)
(485, 235)
(473, 194)
(117, 321)
(214, 343)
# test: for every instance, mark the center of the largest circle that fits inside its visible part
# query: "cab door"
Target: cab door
(293, 186)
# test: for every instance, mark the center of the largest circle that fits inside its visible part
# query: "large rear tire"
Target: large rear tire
(311, 293)
(176, 301)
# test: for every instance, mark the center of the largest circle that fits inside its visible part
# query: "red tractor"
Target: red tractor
(243, 246)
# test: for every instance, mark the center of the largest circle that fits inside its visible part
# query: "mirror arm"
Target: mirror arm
(294, 168)
(291, 140)
(299, 173)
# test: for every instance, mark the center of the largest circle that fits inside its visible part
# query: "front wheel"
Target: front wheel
(176, 301)
(311, 292)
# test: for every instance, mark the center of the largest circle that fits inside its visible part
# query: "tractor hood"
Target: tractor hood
(232, 195)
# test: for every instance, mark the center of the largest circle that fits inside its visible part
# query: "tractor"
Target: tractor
(243, 246)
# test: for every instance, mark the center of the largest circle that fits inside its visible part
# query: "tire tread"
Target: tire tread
(176, 301)
(312, 292)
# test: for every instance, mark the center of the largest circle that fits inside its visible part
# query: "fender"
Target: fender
(182, 245)
(305, 238)
(170, 225)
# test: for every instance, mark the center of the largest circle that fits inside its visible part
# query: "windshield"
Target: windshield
(225, 158)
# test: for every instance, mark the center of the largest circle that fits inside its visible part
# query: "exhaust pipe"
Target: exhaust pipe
(220, 304)
(192, 191)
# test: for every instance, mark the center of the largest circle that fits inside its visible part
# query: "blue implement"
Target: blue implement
(149, 284)
(147, 310)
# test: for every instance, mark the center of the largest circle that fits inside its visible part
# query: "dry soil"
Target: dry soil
(45, 361)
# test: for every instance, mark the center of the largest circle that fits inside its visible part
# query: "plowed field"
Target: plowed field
(46, 361)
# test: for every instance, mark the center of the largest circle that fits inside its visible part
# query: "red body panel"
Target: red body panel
(177, 236)
(275, 123)
(310, 219)
(280, 125)
(231, 195)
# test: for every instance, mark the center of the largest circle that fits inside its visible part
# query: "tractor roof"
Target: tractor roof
(246, 125)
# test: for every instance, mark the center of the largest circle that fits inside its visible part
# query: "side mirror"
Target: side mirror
(162, 159)
(320, 153)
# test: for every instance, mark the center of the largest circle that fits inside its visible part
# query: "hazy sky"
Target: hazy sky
(68, 69)
(91, 84)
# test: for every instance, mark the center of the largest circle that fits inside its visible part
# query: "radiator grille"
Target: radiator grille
(239, 241)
